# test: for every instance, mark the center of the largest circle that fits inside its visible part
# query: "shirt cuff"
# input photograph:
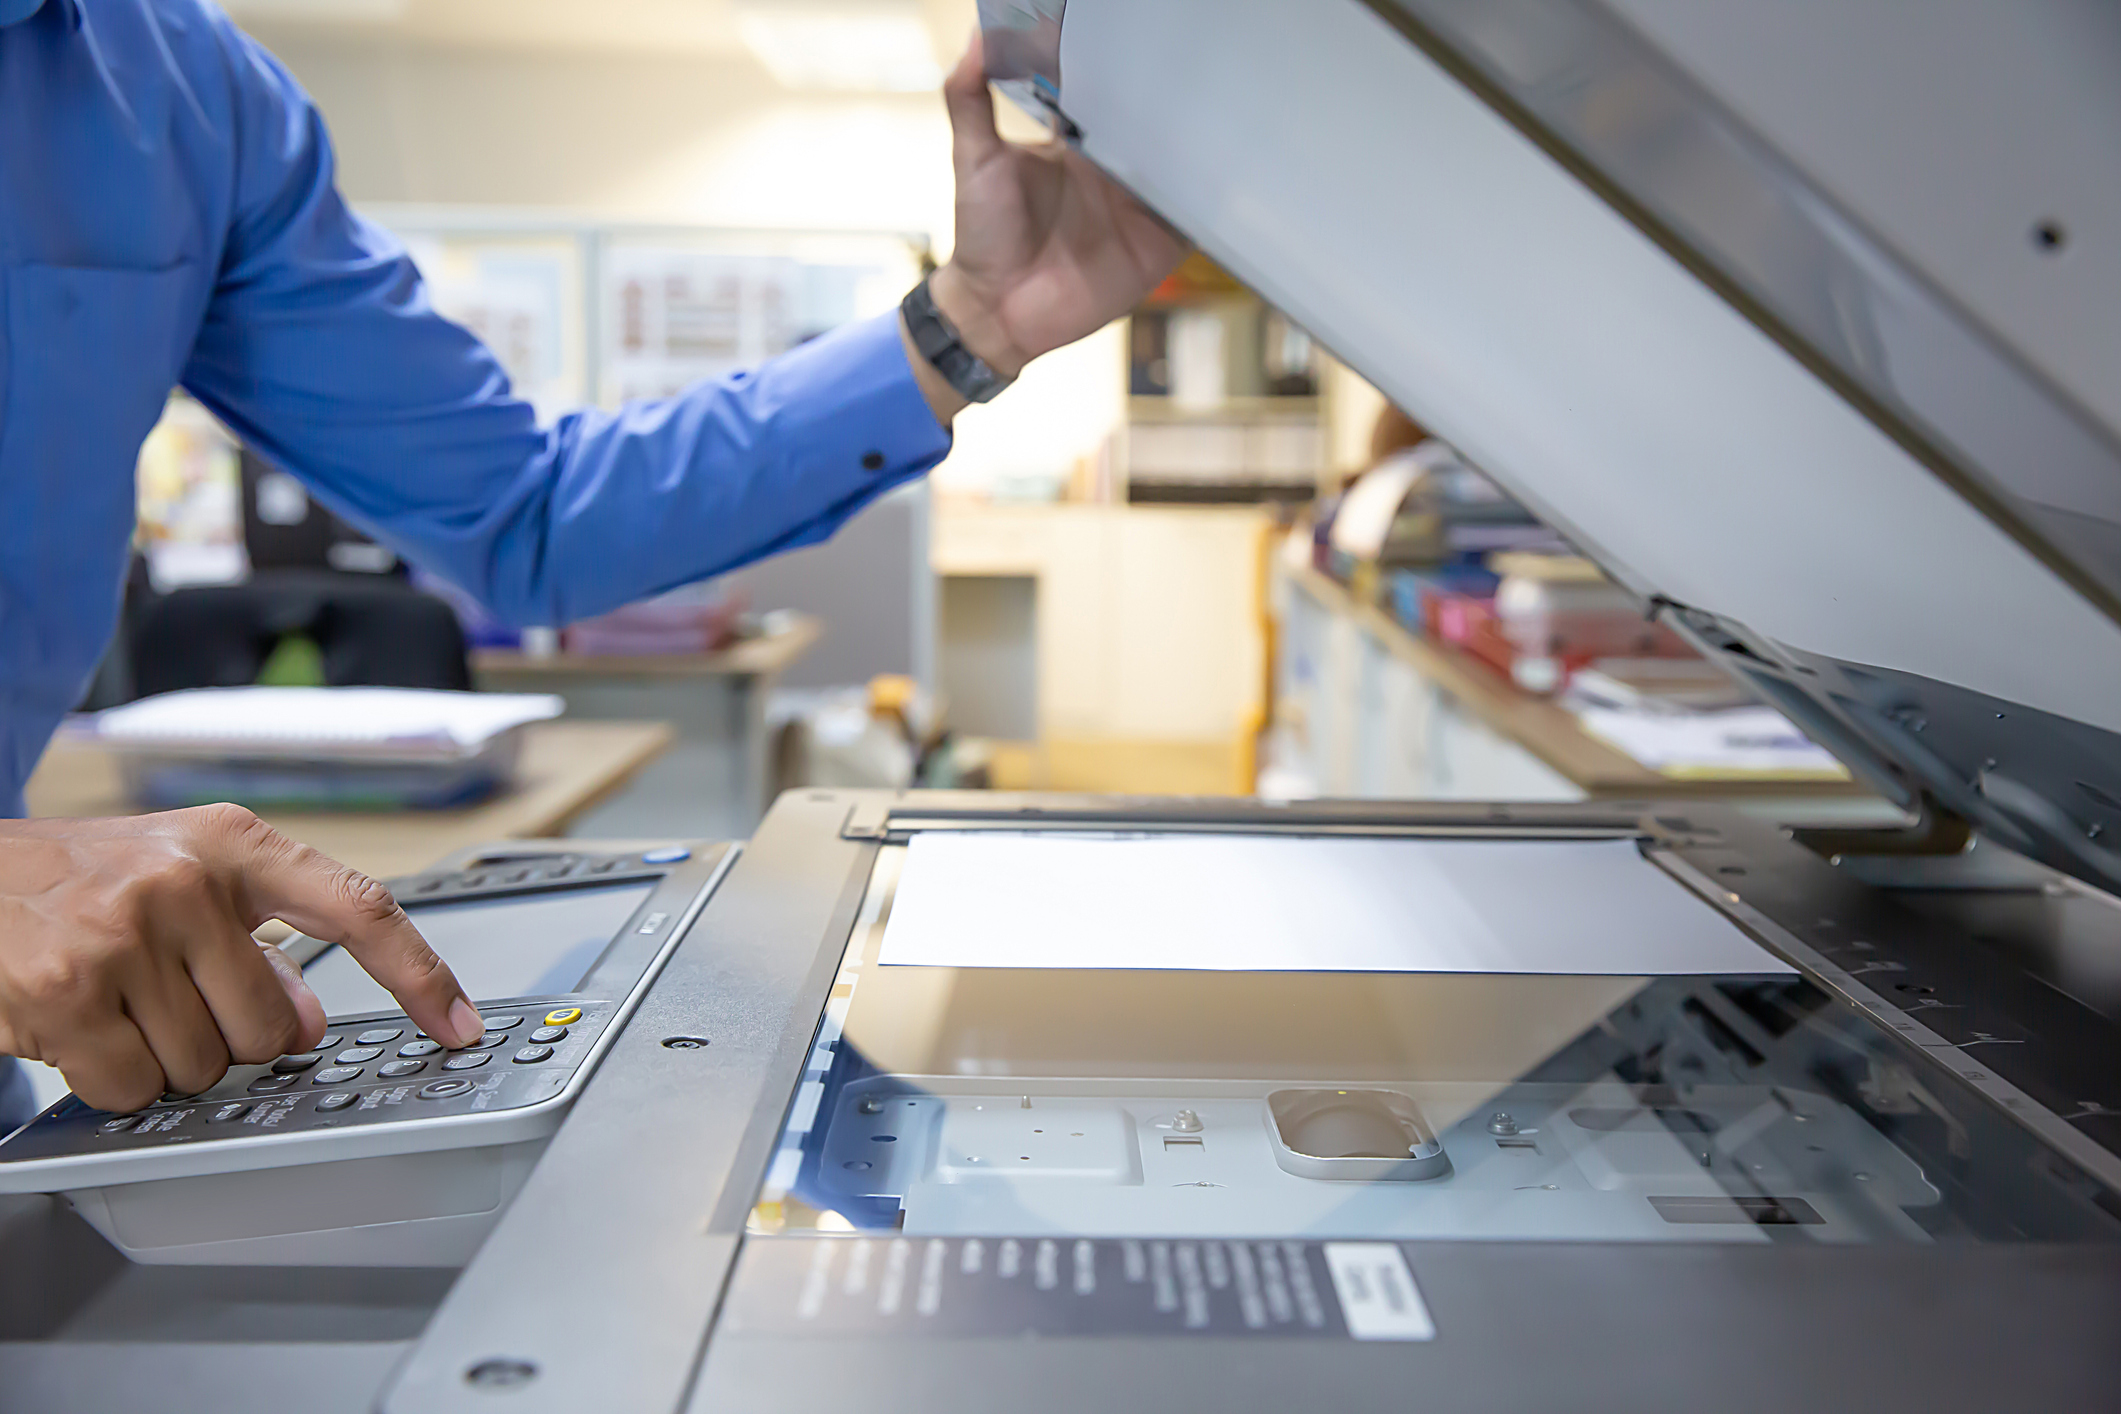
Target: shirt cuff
(876, 418)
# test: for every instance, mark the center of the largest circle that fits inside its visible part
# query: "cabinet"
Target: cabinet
(1147, 628)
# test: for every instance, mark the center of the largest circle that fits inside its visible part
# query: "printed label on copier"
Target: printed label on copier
(1378, 1297)
(982, 1286)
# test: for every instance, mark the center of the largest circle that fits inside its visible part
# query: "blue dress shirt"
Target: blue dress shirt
(168, 216)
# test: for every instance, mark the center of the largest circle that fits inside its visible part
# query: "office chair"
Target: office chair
(372, 631)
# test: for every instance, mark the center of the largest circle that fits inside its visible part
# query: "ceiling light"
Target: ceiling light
(320, 11)
(870, 46)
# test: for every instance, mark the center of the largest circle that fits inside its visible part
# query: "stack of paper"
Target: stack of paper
(1749, 741)
(317, 748)
(319, 722)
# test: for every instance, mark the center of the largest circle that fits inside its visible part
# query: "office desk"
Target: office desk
(566, 768)
(598, 686)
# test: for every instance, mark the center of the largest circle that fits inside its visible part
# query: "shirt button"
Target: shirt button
(872, 461)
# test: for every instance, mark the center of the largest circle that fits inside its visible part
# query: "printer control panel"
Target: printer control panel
(367, 1070)
(556, 946)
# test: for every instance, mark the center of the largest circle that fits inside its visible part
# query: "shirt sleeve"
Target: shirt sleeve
(320, 349)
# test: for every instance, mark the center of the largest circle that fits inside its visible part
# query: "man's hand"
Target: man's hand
(126, 956)
(1048, 247)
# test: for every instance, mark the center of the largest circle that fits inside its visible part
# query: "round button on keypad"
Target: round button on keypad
(467, 1060)
(489, 1041)
(118, 1125)
(336, 1100)
(379, 1036)
(531, 1055)
(292, 1065)
(421, 1047)
(357, 1055)
(393, 1069)
(266, 1083)
(503, 1023)
(546, 1035)
(336, 1075)
(443, 1089)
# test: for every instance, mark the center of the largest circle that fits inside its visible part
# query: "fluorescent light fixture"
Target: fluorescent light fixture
(319, 11)
(863, 46)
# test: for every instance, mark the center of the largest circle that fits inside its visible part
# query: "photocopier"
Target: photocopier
(1799, 319)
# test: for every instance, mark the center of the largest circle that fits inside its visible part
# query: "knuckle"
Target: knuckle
(233, 832)
(228, 820)
(106, 921)
(175, 874)
(60, 979)
(368, 900)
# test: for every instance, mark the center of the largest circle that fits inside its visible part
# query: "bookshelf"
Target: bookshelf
(1225, 400)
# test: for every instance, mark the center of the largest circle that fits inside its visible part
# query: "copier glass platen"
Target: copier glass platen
(1798, 319)
(378, 1146)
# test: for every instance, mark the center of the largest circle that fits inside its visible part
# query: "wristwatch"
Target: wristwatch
(939, 343)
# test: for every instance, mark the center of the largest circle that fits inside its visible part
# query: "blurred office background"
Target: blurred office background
(1142, 569)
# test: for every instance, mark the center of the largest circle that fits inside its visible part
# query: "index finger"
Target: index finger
(332, 903)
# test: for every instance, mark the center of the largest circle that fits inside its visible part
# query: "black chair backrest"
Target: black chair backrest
(372, 632)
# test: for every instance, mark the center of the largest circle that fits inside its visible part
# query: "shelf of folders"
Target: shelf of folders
(1464, 568)
(1224, 397)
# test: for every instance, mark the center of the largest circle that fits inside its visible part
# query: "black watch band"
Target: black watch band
(938, 342)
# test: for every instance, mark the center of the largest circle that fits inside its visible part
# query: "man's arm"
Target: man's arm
(322, 351)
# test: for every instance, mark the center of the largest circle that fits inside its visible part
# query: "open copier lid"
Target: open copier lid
(1798, 319)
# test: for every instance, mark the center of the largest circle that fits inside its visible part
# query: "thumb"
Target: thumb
(974, 136)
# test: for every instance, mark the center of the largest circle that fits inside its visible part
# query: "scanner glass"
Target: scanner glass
(1043, 1102)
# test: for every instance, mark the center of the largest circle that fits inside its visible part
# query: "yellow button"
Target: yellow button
(565, 1016)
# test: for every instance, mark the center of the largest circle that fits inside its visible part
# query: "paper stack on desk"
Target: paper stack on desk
(1685, 717)
(334, 748)
(1745, 741)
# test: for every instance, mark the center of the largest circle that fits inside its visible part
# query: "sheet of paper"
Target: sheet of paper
(1246, 903)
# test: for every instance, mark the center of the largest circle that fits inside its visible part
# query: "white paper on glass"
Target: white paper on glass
(1262, 903)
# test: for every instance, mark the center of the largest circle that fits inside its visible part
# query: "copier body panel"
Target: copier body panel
(1687, 280)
